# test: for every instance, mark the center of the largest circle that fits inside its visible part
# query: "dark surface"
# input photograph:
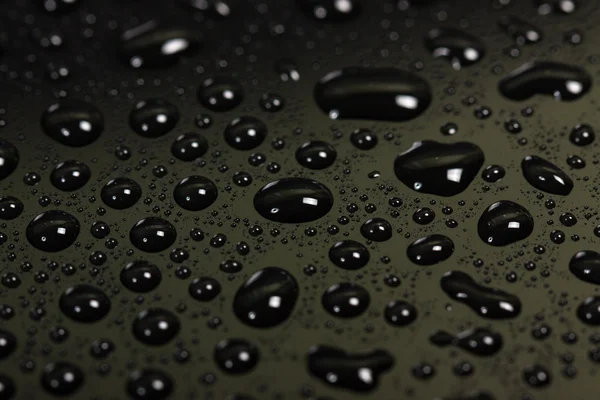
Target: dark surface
(260, 46)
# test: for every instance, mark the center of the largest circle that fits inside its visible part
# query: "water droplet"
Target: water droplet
(9, 158)
(561, 81)
(271, 102)
(73, 123)
(423, 216)
(331, 10)
(349, 255)
(585, 265)
(545, 7)
(7, 387)
(385, 94)
(149, 384)
(152, 234)
(544, 175)
(62, 378)
(140, 276)
(155, 326)
(218, 9)
(8, 344)
(589, 311)
(479, 341)
(346, 300)
(153, 118)
(400, 313)
(195, 193)
(522, 32)
(189, 146)
(84, 303)
(220, 94)
(236, 356)
(10, 207)
(430, 250)
(293, 200)
(582, 135)
(70, 175)
(363, 139)
(121, 193)
(487, 302)
(493, 173)
(267, 298)
(316, 155)
(459, 47)
(148, 46)
(52, 231)
(377, 230)
(504, 222)
(59, 6)
(537, 376)
(245, 133)
(355, 371)
(439, 168)
(204, 289)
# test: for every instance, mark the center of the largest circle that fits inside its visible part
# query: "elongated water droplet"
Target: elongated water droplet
(544, 175)
(152, 234)
(385, 94)
(439, 168)
(73, 123)
(504, 222)
(487, 302)
(53, 231)
(84, 303)
(430, 250)
(461, 48)
(478, 341)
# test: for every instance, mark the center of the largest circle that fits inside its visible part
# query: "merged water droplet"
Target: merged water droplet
(439, 168)
(293, 200)
(354, 371)
(346, 300)
(478, 341)
(10, 208)
(236, 356)
(267, 298)
(152, 234)
(73, 123)
(521, 31)
(430, 250)
(9, 158)
(121, 193)
(84, 303)
(52, 231)
(385, 94)
(377, 230)
(149, 46)
(400, 313)
(459, 47)
(544, 175)
(62, 378)
(504, 222)
(70, 175)
(245, 133)
(155, 326)
(316, 154)
(562, 81)
(220, 94)
(349, 254)
(195, 193)
(487, 302)
(140, 276)
(149, 384)
(153, 117)
(331, 10)
(189, 146)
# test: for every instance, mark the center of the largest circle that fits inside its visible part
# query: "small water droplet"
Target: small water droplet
(195, 193)
(156, 326)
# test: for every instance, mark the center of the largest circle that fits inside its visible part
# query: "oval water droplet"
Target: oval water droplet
(10, 207)
(521, 31)
(267, 298)
(245, 133)
(52, 231)
(140, 276)
(189, 146)
(73, 123)
(439, 168)
(354, 371)
(8, 344)
(430, 250)
(236, 356)
(504, 222)
(585, 265)
(152, 234)
(9, 158)
(478, 341)
(400, 313)
(316, 154)
(385, 94)
(70, 175)
(149, 384)
(487, 302)
(349, 254)
(7, 387)
(220, 94)
(562, 81)
(204, 289)
(556, 6)
(582, 135)
(544, 175)
(331, 10)
(84, 303)
(121, 193)
(377, 230)
(493, 173)
(153, 117)
(155, 326)
(346, 300)
(460, 48)
(62, 378)
(195, 193)
(149, 46)
(293, 200)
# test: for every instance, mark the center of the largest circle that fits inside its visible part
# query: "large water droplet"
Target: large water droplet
(245, 133)
(478, 341)
(148, 46)
(267, 298)
(544, 175)
(377, 230)
(355, 371)
(10, 207)
(561, 81)
(220, 93)
(84, 303)
(70, 175)
(155, 326)
(121, 193)
(316, 154)
(7, 387)
(385, 94)
(459, 47)
(140, 276)
(346, 300)
(153, 118)
(236, 356)
(195, 193)
(430, 250)
(149, 384)
(504, 222)
(331, 10)
(487, 302)
(52, 231)
(293, 200)
(400, 313)
(349, 254)
(439, 168)
(9, 158)
(73, 123)
(585, 265)
(152, 234)
(62, 378)
(189, 146)
(8, 344)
